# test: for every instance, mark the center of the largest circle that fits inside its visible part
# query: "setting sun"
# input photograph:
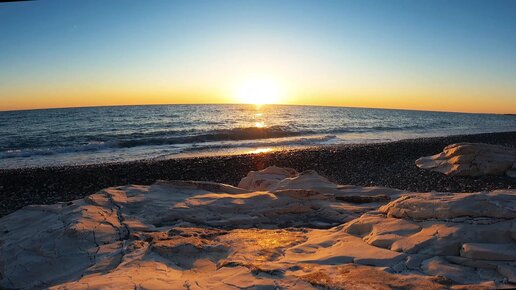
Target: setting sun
(259, 92)
(243, 144)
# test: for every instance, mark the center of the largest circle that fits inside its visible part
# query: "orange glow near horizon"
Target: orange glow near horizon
(272, 93)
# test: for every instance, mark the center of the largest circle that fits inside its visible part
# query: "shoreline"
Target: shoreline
(389, 164)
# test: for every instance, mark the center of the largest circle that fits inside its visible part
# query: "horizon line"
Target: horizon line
(246, 104)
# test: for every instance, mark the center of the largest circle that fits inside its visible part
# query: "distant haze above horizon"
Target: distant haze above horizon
(423, 55)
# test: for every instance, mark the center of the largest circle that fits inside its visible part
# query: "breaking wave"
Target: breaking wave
(236, 134)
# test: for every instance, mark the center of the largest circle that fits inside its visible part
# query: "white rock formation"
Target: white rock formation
(267, 178)
(468, 238)
(472, 159)
(300, 232)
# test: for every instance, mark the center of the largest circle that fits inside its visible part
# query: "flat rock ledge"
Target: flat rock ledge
(279, 229)
(472, 159)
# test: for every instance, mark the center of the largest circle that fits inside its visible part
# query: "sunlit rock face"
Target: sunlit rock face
(469, 238)
(267, 178)
(472, 159)
(298, 232)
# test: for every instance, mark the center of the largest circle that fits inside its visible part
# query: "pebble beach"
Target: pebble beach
(388, 164)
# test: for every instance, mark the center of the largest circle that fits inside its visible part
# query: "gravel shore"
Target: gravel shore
(383, 164)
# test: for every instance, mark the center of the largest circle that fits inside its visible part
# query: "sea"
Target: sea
(80, 136)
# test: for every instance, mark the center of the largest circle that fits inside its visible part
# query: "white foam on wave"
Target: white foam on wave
(91, 146)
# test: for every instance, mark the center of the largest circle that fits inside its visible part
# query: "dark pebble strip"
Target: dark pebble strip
(384, 164)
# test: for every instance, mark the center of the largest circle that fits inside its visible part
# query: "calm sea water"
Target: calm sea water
(109, 134)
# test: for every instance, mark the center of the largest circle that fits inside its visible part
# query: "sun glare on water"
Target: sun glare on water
(260, 150)
(258, 92)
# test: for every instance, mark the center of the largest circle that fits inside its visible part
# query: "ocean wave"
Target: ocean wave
(92, 146)
(236, 134)
(367, 129)
(302, 141)
(395, 128)
(195, 137)
(171, 137)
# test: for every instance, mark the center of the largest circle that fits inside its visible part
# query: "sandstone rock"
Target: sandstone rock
(494, 204)
(433, 240)
(438, 266)
(302, 232)
(471, 159)
(485, 264)
(379, 231)
(509, 272)
(413, 262)
(357, 277)
(384, 234)
(118, 229)
(266, 178)
(468, 277)
(338, 248)
(435, 227)
(305, 180)
(478, 251)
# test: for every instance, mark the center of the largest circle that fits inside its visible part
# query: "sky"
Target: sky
(424, 55)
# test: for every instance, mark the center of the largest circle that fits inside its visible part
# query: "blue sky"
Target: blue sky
(346, 51)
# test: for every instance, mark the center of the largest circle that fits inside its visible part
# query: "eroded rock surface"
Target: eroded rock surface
(301, 232)
(469, 238)
(472, 159)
